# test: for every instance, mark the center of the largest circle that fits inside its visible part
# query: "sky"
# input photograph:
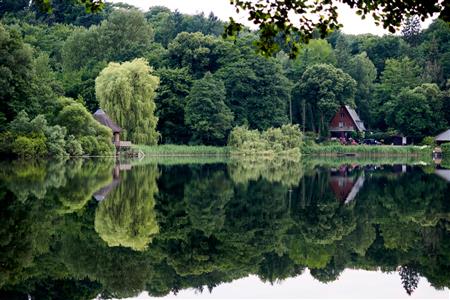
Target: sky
(352, 284)
(222, 8)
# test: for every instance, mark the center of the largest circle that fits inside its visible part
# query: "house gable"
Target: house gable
(345, 120)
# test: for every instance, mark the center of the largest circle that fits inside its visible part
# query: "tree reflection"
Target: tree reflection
(127, 216)
(198, 226)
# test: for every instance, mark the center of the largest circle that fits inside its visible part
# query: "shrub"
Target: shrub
(89, 144)
(446, 150)
(73, 147)
(272, 141)
(56, 141)
(27, 147)
(428, 141)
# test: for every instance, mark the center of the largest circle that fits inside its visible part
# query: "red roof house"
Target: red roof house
(345, 121)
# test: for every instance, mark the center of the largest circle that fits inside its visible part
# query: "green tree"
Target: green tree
(411, 30)
(170, 104)
(16, 72)
(397, 75)
(322, 90)
(363, 71)
(417, 112)
(257, 92)
(127, 92)
(317, 51)
(199, 53)
(206, 113)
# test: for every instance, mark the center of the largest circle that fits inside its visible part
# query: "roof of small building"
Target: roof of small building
(104, 119)
(355, 118)
(443, 137)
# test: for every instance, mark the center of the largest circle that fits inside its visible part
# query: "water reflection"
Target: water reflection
(126, 215)
(78, 229)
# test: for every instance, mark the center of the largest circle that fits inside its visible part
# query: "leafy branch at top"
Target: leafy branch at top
(295, 21)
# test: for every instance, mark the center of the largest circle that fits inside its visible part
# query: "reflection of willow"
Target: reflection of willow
(127, 216)
(287, 172)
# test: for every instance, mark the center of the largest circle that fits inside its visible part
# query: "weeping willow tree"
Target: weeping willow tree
(127, 217)
(126, 92)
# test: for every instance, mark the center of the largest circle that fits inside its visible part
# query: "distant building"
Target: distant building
(346, 121)
(101, 116)
(442, 138)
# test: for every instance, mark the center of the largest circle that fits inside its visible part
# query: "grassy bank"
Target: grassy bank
(181, 150)
(365, 150)
(316, 150)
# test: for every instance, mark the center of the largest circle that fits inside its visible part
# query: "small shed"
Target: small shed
(345, 121)
(442, 138)
(105, 120)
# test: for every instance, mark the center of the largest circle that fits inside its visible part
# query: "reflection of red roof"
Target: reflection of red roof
(346, 188)
(103, 119)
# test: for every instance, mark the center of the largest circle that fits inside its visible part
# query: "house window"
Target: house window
(342, 114)
(341, 124)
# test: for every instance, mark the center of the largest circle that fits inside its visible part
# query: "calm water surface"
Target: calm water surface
(82, 229)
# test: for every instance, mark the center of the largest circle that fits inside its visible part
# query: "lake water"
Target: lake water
(214, 228)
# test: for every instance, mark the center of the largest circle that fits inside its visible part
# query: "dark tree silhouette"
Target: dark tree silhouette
(410, 278)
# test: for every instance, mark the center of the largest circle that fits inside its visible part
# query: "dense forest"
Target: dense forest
(170, 227)
(185, 84)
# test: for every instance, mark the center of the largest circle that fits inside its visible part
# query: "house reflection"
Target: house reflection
(346, 182)
(103, 192)
(443, 173)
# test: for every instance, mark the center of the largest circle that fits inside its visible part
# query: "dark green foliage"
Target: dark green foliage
(15, 74)
(206, 113)
(168, 24)
(13, 6)
(323, 89)
(69, 12)
(173, 89)
(257, 92)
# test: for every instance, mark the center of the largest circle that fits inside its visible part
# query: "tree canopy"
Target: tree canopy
(127, 93)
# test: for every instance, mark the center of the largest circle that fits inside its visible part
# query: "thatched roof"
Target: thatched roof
(443, 137)
(104, 119)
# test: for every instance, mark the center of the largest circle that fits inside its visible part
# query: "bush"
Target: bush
(446, 150)
(27, 147)
(89, 145)
(73, 147)
(56, 141)
(428, 141)
(284, 140)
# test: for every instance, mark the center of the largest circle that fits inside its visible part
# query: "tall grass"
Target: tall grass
(181, 150)
(366, 150)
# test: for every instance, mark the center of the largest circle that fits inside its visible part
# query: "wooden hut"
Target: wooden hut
(105, 120)
(345, 121)
(101, 116)
(442, 138)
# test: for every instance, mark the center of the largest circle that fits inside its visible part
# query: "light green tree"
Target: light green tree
(127, 92)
